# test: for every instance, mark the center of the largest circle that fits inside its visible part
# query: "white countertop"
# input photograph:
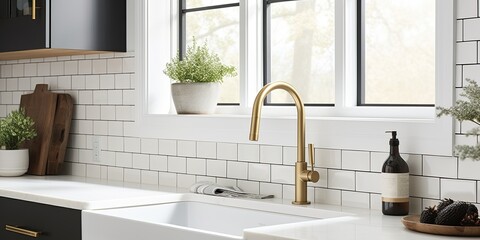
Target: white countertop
(89, 194)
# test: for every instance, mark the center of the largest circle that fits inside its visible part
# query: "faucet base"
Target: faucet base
(301, 202)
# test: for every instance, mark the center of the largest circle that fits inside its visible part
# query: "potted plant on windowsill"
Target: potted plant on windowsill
(467, 109)
(15, 129)
(197, 78)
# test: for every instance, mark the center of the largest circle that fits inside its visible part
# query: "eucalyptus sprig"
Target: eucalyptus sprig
(467, 109)
(15, 129)
(198, 65)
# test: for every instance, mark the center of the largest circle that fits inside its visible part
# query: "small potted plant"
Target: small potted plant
(197, 78)
(467, 109)
(15, 129)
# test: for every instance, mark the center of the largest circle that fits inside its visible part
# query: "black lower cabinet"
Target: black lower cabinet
(21, 219)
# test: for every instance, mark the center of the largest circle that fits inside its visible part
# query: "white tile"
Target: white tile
(459, 30)
(237, 170)
(376, 161)
(107, 81)
(167, 179)
(177, 164)
(100, 97)
(227, 151)
(461, 190)
(158, 163)
(415, 163)
(132, 144)
(249, 152)
(328, 196)
(290, 155)
(35, 81)
(459, 79)
(71, 67)
(226, 182)
(205, 179)
(107, 158)
(85, 155)
(415, 206)
(440, 166)
(122, 81)
(85, 126)
(356, 160)
(129, 129)
(283, 174)
(465, 140)
(99, 66)
(375, 201)
(78, 82)
(6, 71)
(116, 129)
(85, 67)
(132, 175)
(30, 70)
(107, 112)
(52, 82)
(85, 97)
(18, 70)
(115, 65)
(368, 182)
(466, 8)
(271, 154)
(186, 148)
(3, 84)
(196, 166)
(12, 84)
(466, 52)
(185, 181)
(149, 145)
(57, 68)
(115, 97)
(115, 143)
(125, 113)
(93, 171)
(92, 82)
(167, 147)
(6, 97)
(124, 160)
(65, 82)
(248, 186)
(128, 65)
(78, 169)
(271, 189)
(341, 179)
(207, 150)
(259, 172)
(149, 177)
(472, 27)
(425, 187)
(478, 191)
(141, 161)
(115, 174)
(355, 199)
(129, 97)
(289, 193)
(328, 158)
(217, 168)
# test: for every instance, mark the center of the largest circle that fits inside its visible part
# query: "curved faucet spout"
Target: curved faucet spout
(257, 111)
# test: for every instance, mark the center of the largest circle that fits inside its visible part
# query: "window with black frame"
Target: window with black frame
(216, 22)
(396, 52)
(299, 48)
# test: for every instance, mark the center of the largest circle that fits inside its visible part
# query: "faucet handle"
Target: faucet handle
(311, 155)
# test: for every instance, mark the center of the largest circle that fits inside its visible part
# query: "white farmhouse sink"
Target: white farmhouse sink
(181, 220)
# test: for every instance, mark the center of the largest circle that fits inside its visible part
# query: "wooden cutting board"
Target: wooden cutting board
(52, 113)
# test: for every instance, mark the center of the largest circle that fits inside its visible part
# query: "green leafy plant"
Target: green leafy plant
(198, 65)
(467, 109)
(15, 129)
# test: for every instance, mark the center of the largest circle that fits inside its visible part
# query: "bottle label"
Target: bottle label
(395, 187)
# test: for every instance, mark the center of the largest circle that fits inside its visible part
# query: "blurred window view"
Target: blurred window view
(216, 22)
(398, 52)
(300, 49)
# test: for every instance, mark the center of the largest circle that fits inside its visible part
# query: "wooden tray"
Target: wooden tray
(413, 223)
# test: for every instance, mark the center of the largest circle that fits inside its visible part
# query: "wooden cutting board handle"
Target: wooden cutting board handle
(41, 88)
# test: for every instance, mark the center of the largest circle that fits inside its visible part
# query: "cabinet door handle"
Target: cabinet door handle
(34, 9)
(22, 231)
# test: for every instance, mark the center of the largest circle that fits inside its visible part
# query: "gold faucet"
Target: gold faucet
(302, 175)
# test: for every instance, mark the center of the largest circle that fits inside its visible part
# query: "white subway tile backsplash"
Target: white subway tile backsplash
(328, 196)
(259, 172)
(196, 166)
(149, 177)
(125, 113)
(289, 155)
(115, 97)
(18, 70)
(283, 174)
(149, 145)
(177, 164)
(186, 148)
(368, 182)
(141, 161)
(271, 189)
(78, 82)
(440, 166)
(207, 150)
(466, 52)
(425, 187)
(185, 181)
(115, 174)
(249, 152)
(376, 201)
(132, 175)
(470, 26)
(356, 160)
(237, 170)
(12, 84)
(217, 168)
(227, 151)
(57, 68)
(248, 186)
(115, 65)
(167, 179)
(84, 67)
(115, 144)
(107, 112)
(158, 163)
(132, 144)
(167, 147)
(271, 154)
(107, 82)
(328, 158)
(340, 179)
(99, 66)
(459, 190)
(124, 160)
(93, 171)
(466, 8)
(289, 193)
(355, 199)
(30, 70)
(415, 206)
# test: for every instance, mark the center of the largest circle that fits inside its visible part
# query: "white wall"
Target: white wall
(103, 89)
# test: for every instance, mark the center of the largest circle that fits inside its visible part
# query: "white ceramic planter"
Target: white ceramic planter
(13, 162)
(195, 98)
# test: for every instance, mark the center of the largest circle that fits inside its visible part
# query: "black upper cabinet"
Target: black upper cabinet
(61, 27)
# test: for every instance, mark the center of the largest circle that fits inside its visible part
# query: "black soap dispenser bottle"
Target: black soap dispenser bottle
(395, 181)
